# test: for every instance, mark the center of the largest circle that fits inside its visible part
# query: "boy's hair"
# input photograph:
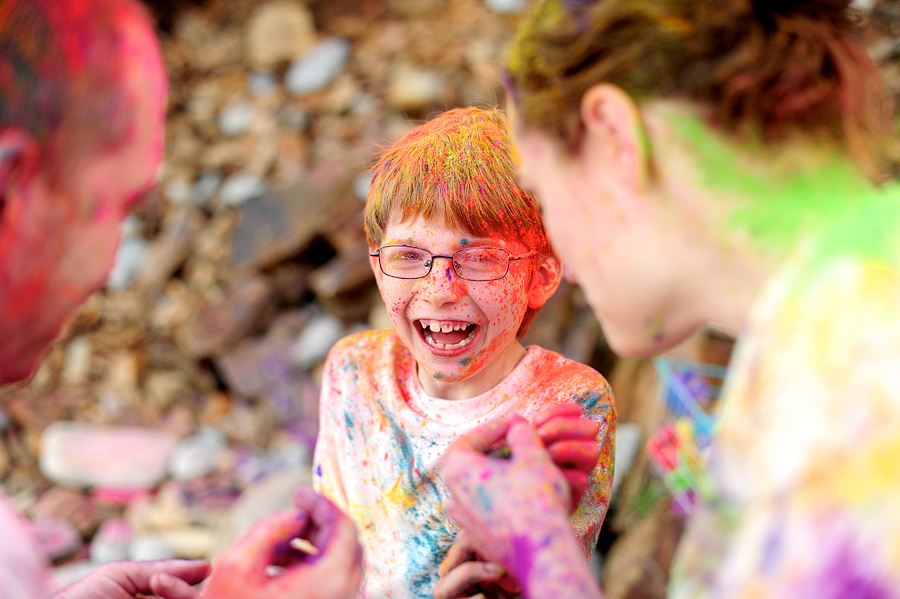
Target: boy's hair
(456, 169)
(61, 70)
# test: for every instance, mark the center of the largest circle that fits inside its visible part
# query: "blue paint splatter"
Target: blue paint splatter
(319, 470)
(465, 361)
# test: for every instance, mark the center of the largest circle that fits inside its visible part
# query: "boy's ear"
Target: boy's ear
(546, 279)
(614, 135)
(20, 159)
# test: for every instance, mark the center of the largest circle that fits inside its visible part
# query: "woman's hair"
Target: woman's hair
(456, 170)
(770, 67)
(61, 69)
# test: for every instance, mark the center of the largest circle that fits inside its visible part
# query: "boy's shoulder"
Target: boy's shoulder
(372, 347)
(555, 370)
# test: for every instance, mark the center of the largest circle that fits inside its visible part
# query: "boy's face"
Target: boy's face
(476, 322)
(58, 240)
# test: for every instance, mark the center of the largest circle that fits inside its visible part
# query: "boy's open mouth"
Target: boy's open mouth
(447, 334)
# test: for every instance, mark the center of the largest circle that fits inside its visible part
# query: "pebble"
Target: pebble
(316, 340)
(177, 190)
(279, 31)
(505, 7)
(413, 88)
(241, 187)
(206, 186)
(197, 456)
(361, 186)
(261, 83)
(93, 455)
(150, 547)
(130, 256)
(111, 542)
(56, 537)
(236, 118)
(77, 366)
(318, 67)
(628, 442)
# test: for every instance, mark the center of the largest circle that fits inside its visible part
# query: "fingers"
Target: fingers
(459, 552)
(575, 454)
(567, 409)
(482, 437)
(557, 429)
(167, 586)
(253, 552)
(464, 577)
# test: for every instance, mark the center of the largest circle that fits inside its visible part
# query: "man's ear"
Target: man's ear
(614, 135)
(20, 158)
(546, 279)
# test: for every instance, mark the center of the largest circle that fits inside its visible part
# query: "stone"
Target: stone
(205, 187)
(277, 32)
(413, 88)
(505, 7)
(145, 547)
(345, 272)
(111, 542)
(236, 118)
(56, 537)
(71, 505)
(279, 224)
(77, 367)
(196, 456)
(177, 190)
(262, 83)
(215, 327)
(254, 366)
(316, 340)
(163, 387)
(258, 501)
(170, 249)
(91, 455)
(628, 444)
(241, 187)
(130, 257)
(317, 67)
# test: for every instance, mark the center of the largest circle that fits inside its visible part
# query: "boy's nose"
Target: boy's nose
(442, 286)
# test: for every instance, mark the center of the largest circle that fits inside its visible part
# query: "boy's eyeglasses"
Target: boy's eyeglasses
(471, 264)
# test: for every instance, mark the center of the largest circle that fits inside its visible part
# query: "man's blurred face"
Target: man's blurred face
(59, 239)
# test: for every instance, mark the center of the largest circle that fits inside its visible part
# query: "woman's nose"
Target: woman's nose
(442, 285)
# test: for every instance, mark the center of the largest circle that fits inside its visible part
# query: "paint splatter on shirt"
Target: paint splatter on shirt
(382, 439)
(806, 465)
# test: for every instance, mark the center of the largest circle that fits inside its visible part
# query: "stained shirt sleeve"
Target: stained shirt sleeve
(804, 468)
(328, 474)
(597, 403)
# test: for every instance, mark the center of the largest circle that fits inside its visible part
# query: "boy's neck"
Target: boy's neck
(480, 382)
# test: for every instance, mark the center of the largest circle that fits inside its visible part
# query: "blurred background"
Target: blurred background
(185, 395)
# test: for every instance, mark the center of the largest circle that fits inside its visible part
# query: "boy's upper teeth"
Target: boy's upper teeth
(437, 326)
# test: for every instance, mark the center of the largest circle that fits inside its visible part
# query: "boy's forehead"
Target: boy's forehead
(424, 230)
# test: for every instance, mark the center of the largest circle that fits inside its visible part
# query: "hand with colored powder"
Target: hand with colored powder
(466, 575)
(268, 562)
(570, 439)
(515, 511)
(168, 579)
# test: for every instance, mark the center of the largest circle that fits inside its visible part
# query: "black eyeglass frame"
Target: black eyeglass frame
(509, 258)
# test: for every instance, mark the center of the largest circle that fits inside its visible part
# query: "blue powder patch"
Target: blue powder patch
(464, 241)
(438, 375)
(319, 470)
(465, 361)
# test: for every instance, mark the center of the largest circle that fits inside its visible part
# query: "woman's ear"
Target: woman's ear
(546, 279)
(614, 135)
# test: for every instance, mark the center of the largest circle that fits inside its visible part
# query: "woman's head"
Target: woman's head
(645, 127)
(766, 68)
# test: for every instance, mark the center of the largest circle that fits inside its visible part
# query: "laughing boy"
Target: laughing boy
(463, 264)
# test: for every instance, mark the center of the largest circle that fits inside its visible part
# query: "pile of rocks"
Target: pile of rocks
(182, 402)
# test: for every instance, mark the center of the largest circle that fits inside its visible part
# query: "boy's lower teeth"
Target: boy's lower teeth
(440, 345)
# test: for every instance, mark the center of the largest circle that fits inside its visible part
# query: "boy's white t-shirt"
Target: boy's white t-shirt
(381, 441)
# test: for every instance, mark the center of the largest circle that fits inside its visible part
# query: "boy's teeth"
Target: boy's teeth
(430, 340)
(446, 328)
(435, 326)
